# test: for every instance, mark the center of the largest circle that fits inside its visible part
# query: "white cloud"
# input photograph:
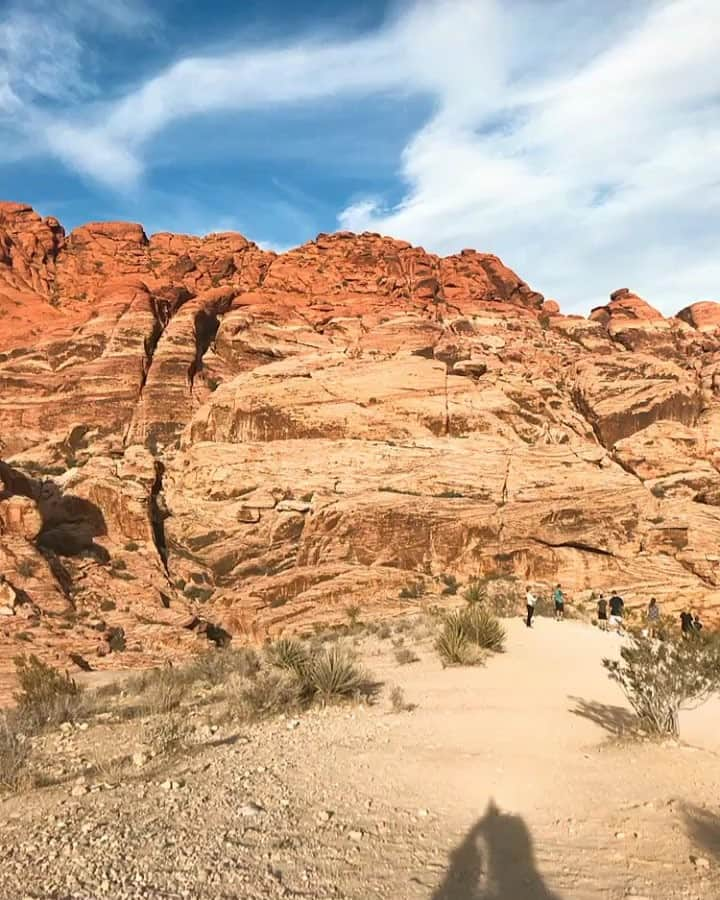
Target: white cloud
(581, 142)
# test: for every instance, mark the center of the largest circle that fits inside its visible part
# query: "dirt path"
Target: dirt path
(507, 782)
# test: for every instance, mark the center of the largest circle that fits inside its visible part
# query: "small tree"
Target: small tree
(660, 678)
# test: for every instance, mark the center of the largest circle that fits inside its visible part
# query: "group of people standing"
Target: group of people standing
(610, 613)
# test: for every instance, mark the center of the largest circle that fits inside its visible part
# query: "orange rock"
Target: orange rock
(195, 430)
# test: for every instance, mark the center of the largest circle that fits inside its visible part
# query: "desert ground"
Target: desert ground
(517, 780)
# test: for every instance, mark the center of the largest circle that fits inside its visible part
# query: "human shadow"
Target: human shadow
(70, 523)
(703, 829)
(616, 720)
(495, 861)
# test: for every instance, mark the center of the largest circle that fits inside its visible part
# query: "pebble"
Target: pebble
(700, 862)
(355, 835)
(250, 809)
(79, 790)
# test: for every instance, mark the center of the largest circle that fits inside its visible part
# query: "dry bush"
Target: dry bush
(215, 667)
(398, 702)
(288, 654)
(660, 678)
(384, 632)
(269, 694)
(161, 691)
(46, 697)
(164, 735)
(475, 592)
(404, 656)
(14, 755)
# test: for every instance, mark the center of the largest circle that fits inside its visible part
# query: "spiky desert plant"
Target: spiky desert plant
(288, 654)
(452, 644)
(483, 629)
(332, 675)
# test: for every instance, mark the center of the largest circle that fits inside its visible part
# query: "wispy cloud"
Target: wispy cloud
(579, 141)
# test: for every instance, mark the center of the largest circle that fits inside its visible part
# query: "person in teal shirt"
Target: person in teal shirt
(559, 599)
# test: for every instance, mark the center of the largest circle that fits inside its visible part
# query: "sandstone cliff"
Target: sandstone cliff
(200, 438)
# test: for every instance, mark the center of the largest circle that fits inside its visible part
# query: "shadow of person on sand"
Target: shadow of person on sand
(703, 827)
(616, 720)
(495, 861)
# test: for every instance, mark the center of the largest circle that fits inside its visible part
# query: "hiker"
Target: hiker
(617, 605)
(697, 624)
(559, 599)
(653, 618)
(602, 613)
(530, 601)
(686, 623)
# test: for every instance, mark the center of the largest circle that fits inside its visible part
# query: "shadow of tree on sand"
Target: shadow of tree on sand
(495, 861)
(616, 720)
(703, 827)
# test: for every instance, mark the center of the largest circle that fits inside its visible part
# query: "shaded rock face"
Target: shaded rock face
(194, 430)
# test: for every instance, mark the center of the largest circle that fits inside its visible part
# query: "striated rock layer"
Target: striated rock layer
(201, 439)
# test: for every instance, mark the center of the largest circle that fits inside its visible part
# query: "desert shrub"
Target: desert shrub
(475, 592)
(132, 546)
(162, 691)
(483, 629)
(384, 632)
(202, 595)
(288, 654)
(405, 656)
(398, 703)
(660, 678)
(450, 585)
(180, 583)
(218, 666)
(26, 568)
(46, 696)
(164, 735)
(270, 694)
(107, 606)
(452, 644)
(118, 565)
(353, 613)
(14, 755)
(332, 674)
(413, 591)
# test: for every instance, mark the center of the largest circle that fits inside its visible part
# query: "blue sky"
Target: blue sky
(579, 141)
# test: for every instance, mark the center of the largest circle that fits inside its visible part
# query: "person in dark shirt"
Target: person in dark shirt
(602, 613)
(697, 624)
(686, 623)
(617, 605)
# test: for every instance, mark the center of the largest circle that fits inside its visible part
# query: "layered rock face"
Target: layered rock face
(201, 439)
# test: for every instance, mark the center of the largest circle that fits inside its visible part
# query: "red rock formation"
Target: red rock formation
(196, 430)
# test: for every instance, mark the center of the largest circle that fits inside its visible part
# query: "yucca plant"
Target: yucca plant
(483, 629)
(475, 592)
(288, 654)
(332, 675)
(452, 643)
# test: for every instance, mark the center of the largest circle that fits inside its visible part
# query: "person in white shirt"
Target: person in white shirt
(530, 600)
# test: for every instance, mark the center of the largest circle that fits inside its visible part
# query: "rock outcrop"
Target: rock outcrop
(200, 438)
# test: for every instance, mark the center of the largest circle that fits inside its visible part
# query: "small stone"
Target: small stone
(700, 862)
(324, 815)
(139, 759)
(250, 809)
(355, 835)
(423, 813)
(79, 790)
(619, 835)
(293, 724)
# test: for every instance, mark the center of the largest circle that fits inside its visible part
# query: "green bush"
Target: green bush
(452, 644)
(483, 629)
(475, 592)
(132, 546)
(218, 666)
(660, 678)
(333, 675)
(450, 585)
